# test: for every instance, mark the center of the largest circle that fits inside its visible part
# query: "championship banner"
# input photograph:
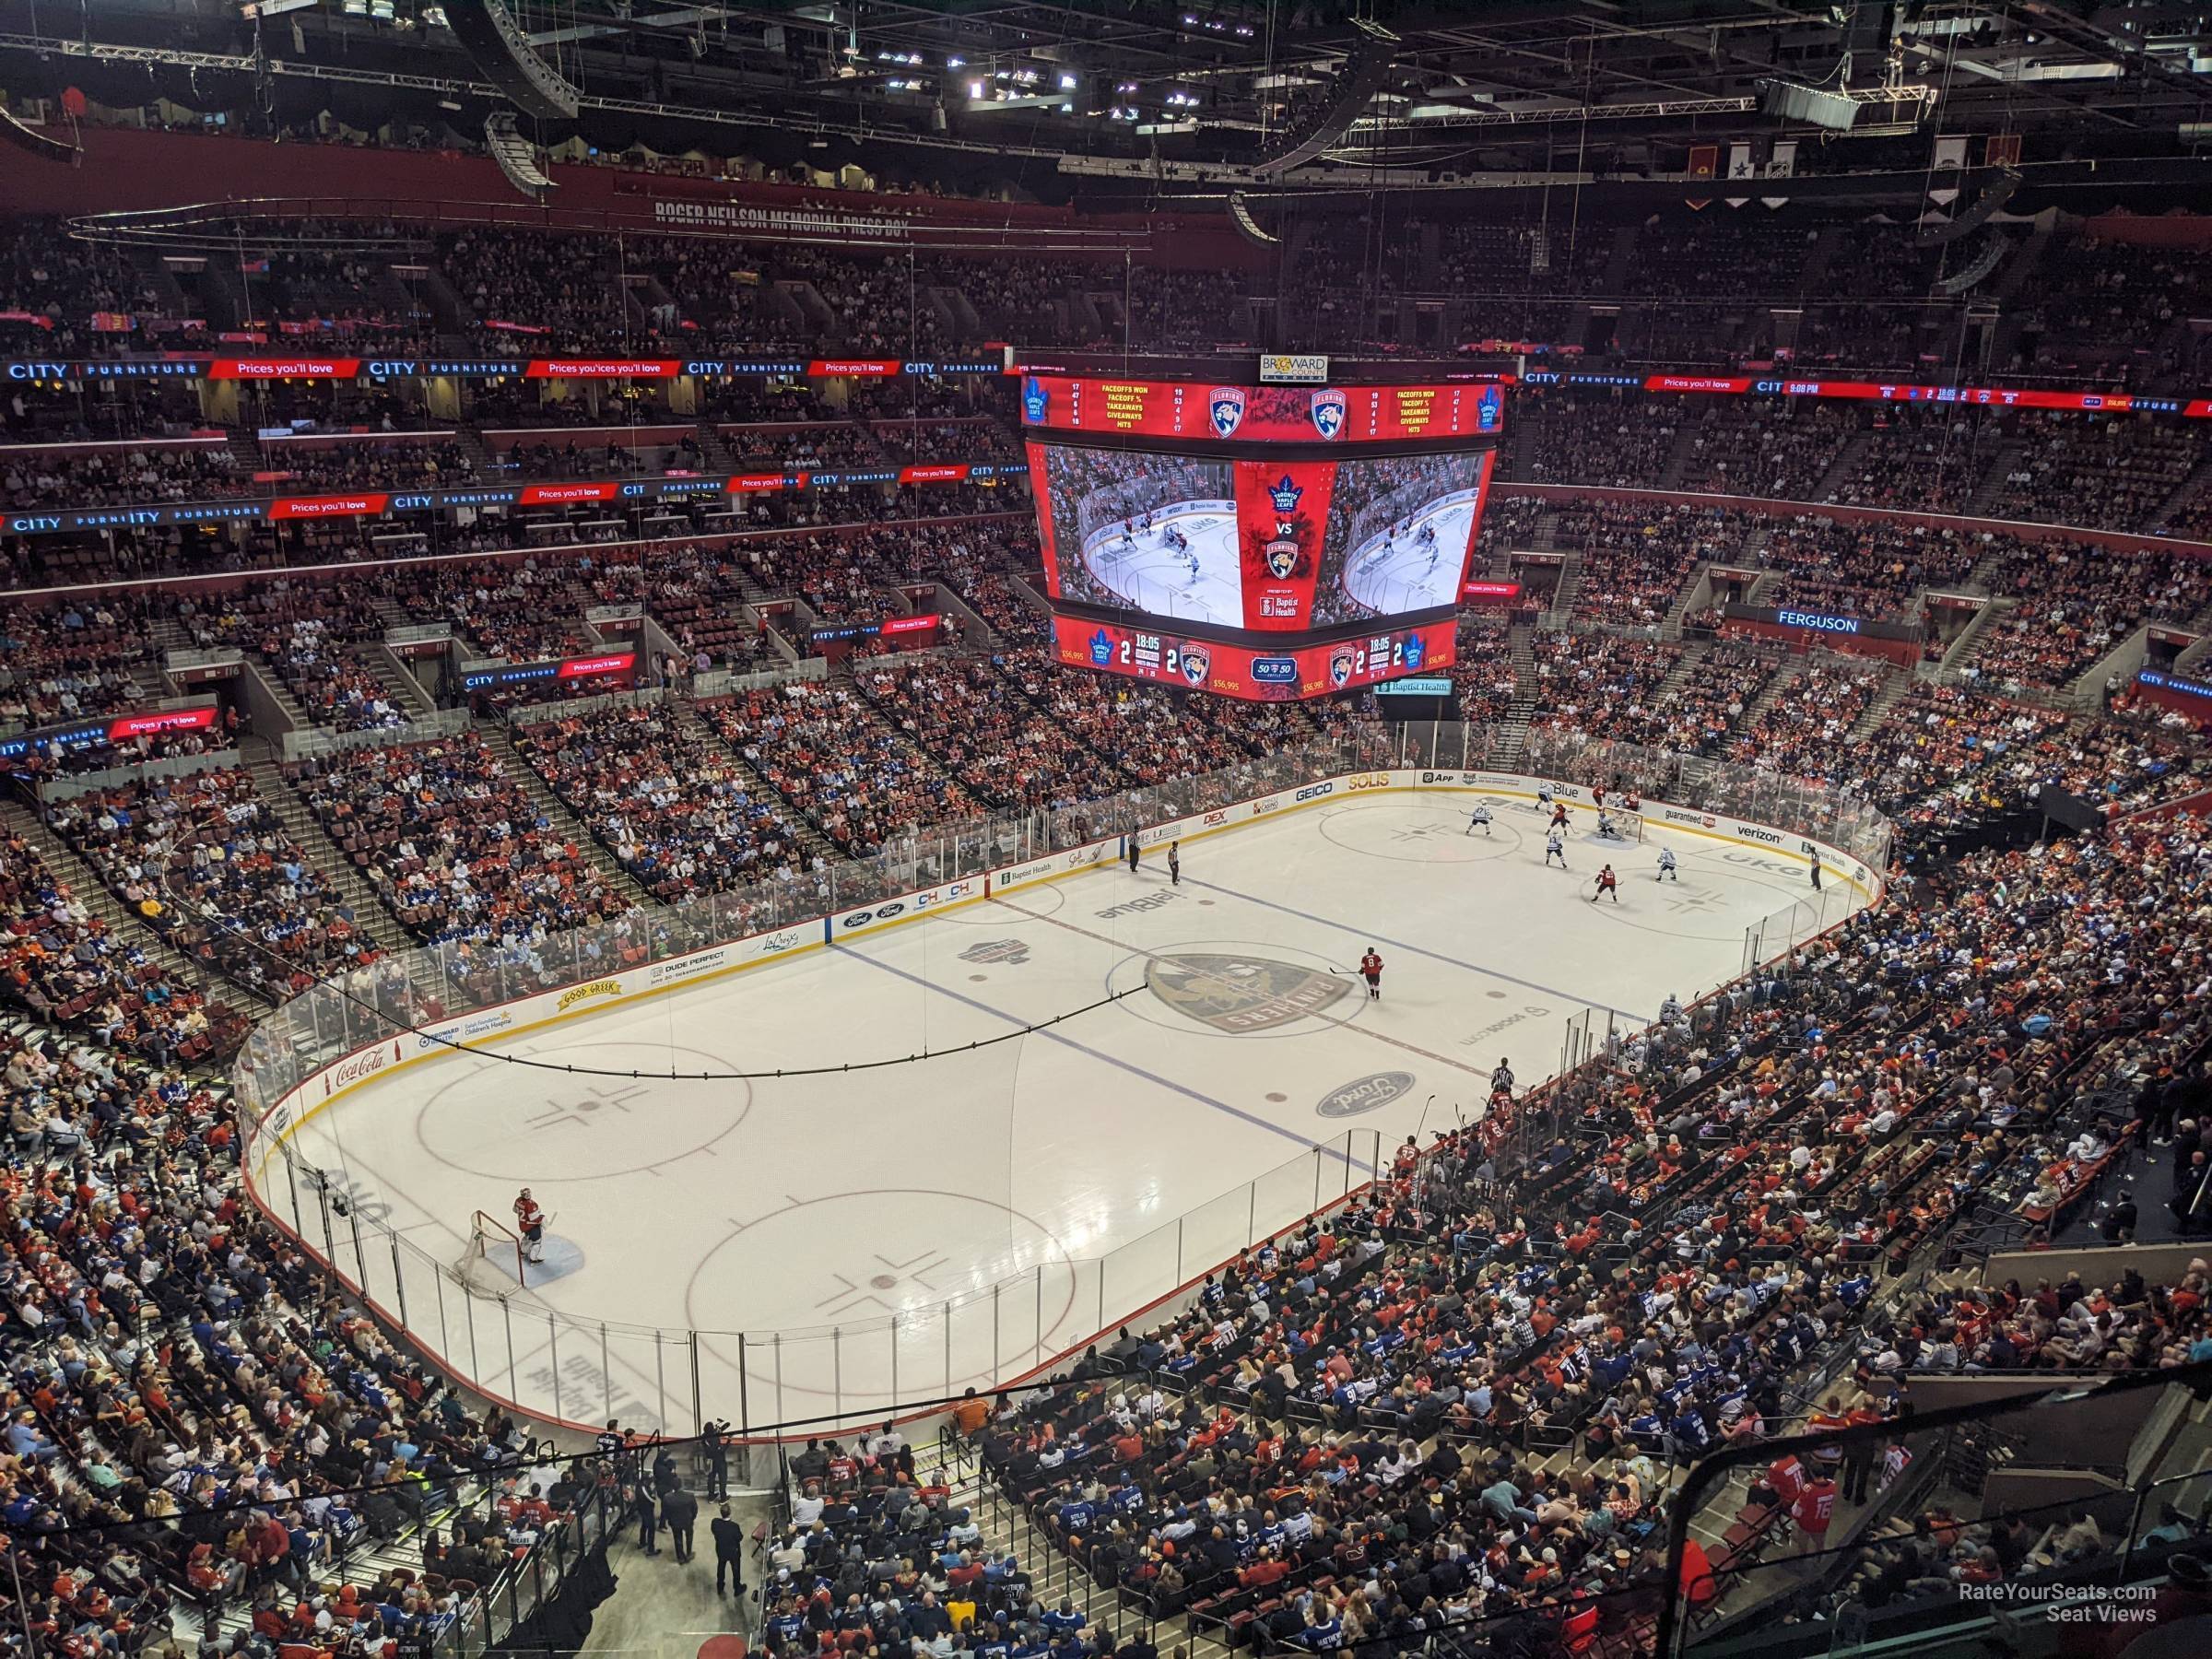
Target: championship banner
(1704, 161)
(1782, 163)
(1282, 510)
(1741, 169)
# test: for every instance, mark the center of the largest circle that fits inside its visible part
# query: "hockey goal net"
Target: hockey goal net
(493, 1259)
(1615, 823)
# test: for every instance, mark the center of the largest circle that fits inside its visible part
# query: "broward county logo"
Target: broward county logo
(1240, 993)
(1012, 952)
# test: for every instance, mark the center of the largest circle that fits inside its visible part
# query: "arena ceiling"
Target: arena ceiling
(1153, 90)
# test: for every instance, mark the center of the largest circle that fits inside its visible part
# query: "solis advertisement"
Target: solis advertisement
(1253, 672)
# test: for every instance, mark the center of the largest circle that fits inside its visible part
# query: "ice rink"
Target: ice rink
(1394, 572)
(1153, 575)
(960, 1218)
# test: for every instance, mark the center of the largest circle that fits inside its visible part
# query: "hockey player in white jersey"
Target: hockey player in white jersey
(1666, 866)
(1555, 846)
(1479, 818)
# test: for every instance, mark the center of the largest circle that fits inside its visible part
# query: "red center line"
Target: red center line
(1344, 1024)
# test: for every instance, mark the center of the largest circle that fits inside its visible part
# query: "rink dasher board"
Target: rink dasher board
(374, 1061)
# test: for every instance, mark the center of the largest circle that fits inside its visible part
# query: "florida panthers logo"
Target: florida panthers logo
(1196, 664)
(1282, 559)
(1328, 413)
(1035, 400)
(1341, 662)
(1225, 404)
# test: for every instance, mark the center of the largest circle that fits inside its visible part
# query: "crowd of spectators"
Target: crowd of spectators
(2076, 601)
(2105, 474)
(1800, 728)
(210, 865)
(1756, 447)
(678, 816)
(333, 684)
(1590, 682)
(531, 294)
(1598, 437)
(1871, 567)
(452, 843)
(1924, 458)
(72, 657)
(433, 462)
(1638, 554)
(829, 754)
(1004, 750)
(116, 477)
(63, 965)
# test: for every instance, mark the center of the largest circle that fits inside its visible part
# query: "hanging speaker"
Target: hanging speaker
(38, 144)
(516, 155)
(1989, 259)
(1247, 226)
(1988, 202)
(495, 44)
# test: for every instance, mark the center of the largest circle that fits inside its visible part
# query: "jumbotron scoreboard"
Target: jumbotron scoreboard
(1265, 542)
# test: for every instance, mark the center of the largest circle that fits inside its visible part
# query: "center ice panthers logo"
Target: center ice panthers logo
(1340, 665)
(1225, 404)
(1196, 664)
(1328, 413)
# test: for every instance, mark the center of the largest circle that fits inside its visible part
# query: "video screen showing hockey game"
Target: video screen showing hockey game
(1141, 532)
(1400, 531)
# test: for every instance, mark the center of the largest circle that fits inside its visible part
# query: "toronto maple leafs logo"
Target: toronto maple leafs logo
(1101, 648)
(1286, 495)
(1415, 651)
(1035, 400)
(1489, 410)
(1226, 405)
(1328, 413)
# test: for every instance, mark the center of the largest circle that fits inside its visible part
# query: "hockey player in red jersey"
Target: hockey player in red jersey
(530, 1221)
(1606, 883)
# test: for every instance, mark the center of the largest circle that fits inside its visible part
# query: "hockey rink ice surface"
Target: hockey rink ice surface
(1153, 576)
(1055, 1166)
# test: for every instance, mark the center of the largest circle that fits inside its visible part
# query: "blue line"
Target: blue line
(1189, 1093)
(1568, 996)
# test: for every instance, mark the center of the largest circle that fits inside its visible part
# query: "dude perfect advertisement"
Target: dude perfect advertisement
(1257, 675)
